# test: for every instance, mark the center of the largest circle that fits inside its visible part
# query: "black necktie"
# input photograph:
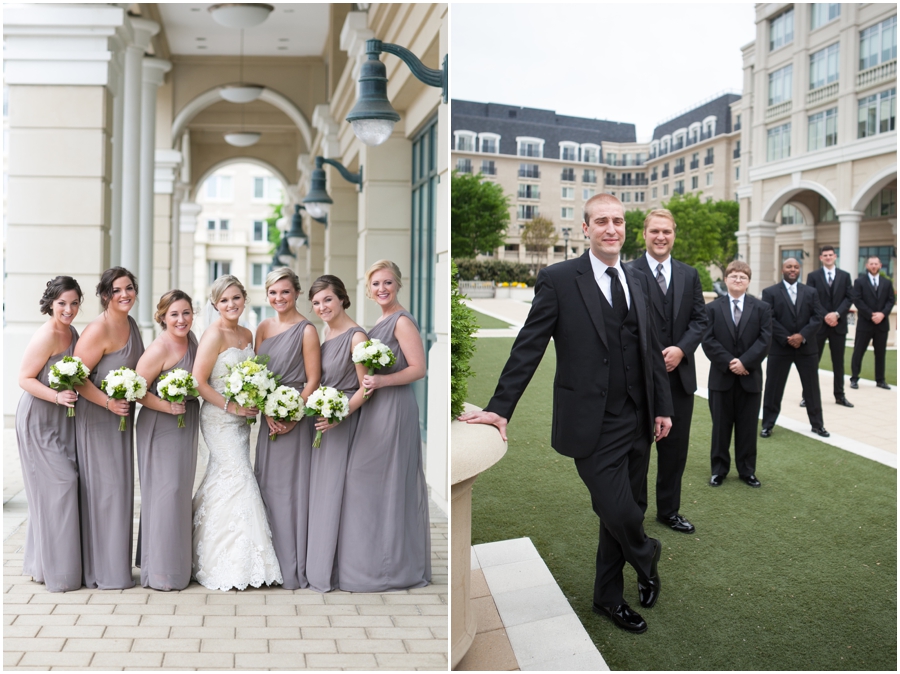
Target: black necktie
(619, 304)
(829, 279)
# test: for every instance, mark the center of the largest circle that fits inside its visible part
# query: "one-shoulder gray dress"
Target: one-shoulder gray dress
(106, 468)
(328, 470)
(46, 440)
(384, 541)
(282, 465)
(167, 461)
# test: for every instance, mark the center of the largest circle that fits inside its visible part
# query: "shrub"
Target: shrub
(462, 345)
(705, 279)
(499, 271)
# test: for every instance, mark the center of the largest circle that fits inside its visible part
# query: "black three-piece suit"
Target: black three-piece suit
(680, 317)
(868, 301)
(610, 384)
(734, 399)
(805, 318)
(838, 297)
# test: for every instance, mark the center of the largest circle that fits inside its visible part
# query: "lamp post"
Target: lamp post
(317, 201)
(566, 231)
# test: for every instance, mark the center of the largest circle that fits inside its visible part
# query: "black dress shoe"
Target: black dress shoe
(802, 402)
(716, 480)
(821, 431)
(752, 481)
(883, 385)
(623, 617)
(843, 401)
(765, 433)
(854, 383)
(677, 523)
(648, 590)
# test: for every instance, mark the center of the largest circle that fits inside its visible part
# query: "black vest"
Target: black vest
(666, 327)
(626, 371)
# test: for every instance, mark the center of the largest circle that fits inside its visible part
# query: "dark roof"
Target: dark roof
(509, 121)
(720, 107)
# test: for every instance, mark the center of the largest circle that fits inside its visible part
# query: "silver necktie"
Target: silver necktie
(660, 278)
(737, 313)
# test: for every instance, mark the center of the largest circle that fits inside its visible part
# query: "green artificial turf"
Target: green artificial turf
(485, 321)
(798, 575)
(868, 364)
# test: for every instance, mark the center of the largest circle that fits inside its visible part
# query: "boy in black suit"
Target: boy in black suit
(874, 298)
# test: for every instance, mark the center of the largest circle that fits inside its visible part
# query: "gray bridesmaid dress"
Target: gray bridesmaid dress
(328, 470)
(106, 467)
(384, 539)
(167, 461)
(282, 465)
(46, 440)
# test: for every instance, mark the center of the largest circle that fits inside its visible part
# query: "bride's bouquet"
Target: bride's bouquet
(373, 355)
(175, 386)
(124, 384)
(283, 404)
(248, 383)
(66, 374)
(329, 403)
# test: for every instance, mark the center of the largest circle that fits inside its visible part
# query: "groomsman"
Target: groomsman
(736, 342)
(835, 288)
(680, 312)
(874, 298)
(796, 317)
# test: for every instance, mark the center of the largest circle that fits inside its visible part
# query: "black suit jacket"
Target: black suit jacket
(689, 318)
(567, 308)
(837, 298)
(867, 302)
(749, 343)
(788, 319)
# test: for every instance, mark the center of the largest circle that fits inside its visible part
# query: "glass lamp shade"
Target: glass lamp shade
(317, 209)
(240, 15)
(242, 139)
(284, 254)
(373, 131)
(282, 224)
(241, 93)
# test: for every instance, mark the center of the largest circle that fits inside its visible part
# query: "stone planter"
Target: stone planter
(522, 294)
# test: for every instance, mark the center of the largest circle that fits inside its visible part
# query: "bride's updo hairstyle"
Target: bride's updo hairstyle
(277, 275)
(337, 286)
(222, 284)
(55, 288)
(378, 266)
(167, 301)
(110, 276)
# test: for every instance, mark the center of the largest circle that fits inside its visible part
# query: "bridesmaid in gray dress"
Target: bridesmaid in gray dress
(167, 455)
(282, 465)
(105, 454)
(328, 470)
(46, 440)
(384, 542)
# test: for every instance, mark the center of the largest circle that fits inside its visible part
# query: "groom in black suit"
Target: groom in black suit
(610, 396)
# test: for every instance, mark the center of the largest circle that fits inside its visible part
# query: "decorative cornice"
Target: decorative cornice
(884, 143)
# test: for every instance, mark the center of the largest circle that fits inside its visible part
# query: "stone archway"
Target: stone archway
(239, 160)
(773, 207)
(874, 185)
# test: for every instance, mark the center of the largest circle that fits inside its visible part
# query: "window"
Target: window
(568, 151)
(878, 43)
(218, 187)
(464, 165)
(823, 129)
(826, 211)
(823, 66)
(611, 158)
(260, 230)
(737, 172)
(876, 113)
(781, 30)
(590, 154)
(796, 253)
(567, 213)
(589, 176)
(529, 171)
(679, 165)
(665, 170)
(790, 215)
(258, 273)
(530, 147)
(695, 182)
(710, 156)
(709, 178)
(587, 193)
(511, 247)
(695, 160)
(822, 12)
(490, 143)
(218, 268)
(488, 168)
(465, 141)
(640, 178)
(267, 188)
(653, 193)
(262, 312)
(527, 212)
(737, 123)
(626, 197)
(665, 190)
(883, 253)
(610, 179)
(221, 225)
(780, 85)
(679, 187)
(883, 204)
(568, 192)
(737, 149)
(529, 192)
(654, 175)
(568, 174)
(778, 145)
(639, 196)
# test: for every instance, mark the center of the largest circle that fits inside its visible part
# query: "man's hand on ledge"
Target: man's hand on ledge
(483, 417)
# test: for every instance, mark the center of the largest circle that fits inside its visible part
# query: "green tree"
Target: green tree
(706, 230)
(538, 235)
(634, 234)
(728, 249)
(273, 232)
(479, 215)
(462, 345)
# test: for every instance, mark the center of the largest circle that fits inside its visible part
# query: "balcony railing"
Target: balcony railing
(695, 164)
(654, 176)
(736, 127)
(822, 94)
(641, 181)
(778, 110)
(708, 159)
(488, 169)
(678, 190)
(665, 173)
(568, 175)
(589, 179)
(737, 153)
(877, 74)
(679, 168)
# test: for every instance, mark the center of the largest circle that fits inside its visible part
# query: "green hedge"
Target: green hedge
(498, 271)
(462, 345)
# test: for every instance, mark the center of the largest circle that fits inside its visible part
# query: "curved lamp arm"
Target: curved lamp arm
(430, 76)
(355, 178)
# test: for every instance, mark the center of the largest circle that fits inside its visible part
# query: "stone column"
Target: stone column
(187, 225)
(849, 258)
(168, 195)
(154, 72)
(761, 257)
(115, 230)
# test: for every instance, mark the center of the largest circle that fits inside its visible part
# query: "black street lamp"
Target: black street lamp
(317, 202)
(566, 231)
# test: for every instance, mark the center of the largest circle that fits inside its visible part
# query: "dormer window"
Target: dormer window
(709, 126)
(666, 143)
(694, 132)
(465, 141)
(568, 151)
(489, 143)
(530, 147)
(590, 153)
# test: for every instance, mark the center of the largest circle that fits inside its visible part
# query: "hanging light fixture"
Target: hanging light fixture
(317, 201)
(243, 138)
(239, 14)
(284, 254)
(241, 92)
(296, 237)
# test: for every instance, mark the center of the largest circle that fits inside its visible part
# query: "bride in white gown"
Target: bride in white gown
(231, 538)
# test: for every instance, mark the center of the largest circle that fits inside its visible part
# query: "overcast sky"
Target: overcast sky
(638, 63)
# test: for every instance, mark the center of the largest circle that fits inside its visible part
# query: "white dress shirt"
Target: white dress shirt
(603, 280)
(666, 270)
(830, 272)
(792, 291)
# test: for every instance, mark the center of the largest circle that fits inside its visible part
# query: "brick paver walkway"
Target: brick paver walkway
(267, 628)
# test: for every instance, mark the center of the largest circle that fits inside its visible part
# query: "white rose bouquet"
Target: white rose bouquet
(66, 374)
(124, 384)
(175, 387)
(329, 403)
(248, 383)
(373, 354)
(283, 404)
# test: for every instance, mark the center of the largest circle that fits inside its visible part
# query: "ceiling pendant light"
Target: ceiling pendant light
(243, 138)
(241, 92)
(240, 15)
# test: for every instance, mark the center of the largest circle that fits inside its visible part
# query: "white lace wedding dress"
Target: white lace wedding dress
(231, 538)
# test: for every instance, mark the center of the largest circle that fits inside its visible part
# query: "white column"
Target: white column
(115, 227)
(166, 169)
(187, 225)
(849, 258)
(761, 255)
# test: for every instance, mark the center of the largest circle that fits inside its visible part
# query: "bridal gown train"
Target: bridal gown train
(232, 540)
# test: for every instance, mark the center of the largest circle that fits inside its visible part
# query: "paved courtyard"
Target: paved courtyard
(258, 629)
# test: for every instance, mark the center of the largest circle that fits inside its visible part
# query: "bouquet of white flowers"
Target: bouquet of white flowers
(374, 355)
(329, 403)
(124, 384)
(66, 374)
(175, 386)
(283, 404)
(248, 383)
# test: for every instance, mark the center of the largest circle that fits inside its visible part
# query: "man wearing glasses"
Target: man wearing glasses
(736, 342)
